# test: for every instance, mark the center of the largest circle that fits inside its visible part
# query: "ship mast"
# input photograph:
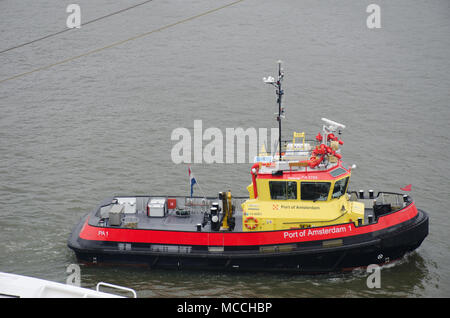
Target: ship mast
(279, 92)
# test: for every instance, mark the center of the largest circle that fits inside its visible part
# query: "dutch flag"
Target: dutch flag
(192, 180)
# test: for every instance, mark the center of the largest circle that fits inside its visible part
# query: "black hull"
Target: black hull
(358, 251)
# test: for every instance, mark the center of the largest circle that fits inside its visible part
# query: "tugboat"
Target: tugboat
(299, 216)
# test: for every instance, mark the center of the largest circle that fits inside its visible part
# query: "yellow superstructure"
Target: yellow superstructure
(287, 202)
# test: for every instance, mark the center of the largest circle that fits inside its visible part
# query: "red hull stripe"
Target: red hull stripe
(94, 233)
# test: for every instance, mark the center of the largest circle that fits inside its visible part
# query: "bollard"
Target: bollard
(361, 194)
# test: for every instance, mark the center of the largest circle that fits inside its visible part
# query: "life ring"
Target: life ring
(252, 225)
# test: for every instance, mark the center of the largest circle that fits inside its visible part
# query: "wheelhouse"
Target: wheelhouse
(321, 190)
(288, 194)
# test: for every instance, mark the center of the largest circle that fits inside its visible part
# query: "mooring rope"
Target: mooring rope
(121, 42)
(65, 30)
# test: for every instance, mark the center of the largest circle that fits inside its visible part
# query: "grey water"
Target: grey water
(99, 125)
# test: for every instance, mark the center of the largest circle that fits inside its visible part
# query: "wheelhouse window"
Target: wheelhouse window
(315, 191)
(340, 187)
(283, 190)
(337, 172)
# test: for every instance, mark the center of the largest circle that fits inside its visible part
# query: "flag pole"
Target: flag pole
(196, 182)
